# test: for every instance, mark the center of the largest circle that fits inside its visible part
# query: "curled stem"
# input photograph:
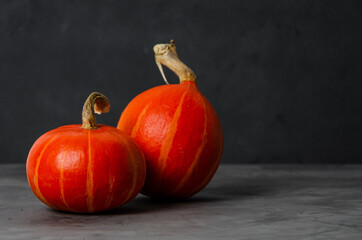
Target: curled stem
(95, 103)
(165, 54)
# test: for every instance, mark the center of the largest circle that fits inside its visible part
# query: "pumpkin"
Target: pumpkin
(177, 129)
(86, 168)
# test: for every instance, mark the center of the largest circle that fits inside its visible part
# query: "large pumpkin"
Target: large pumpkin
(177, 129)
(86, 168)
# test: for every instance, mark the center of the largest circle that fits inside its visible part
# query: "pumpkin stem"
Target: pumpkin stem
(165, 54)
(95, 103)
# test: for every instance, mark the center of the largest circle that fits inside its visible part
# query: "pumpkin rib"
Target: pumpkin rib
(137, 125)
(138, 122)
(36, 174)
(61, 183)
(110, 191)
(134, 167)
(171, 132)
(214, 167)
(211, 173)
(89, 182)
(191, 168)
(129, 155)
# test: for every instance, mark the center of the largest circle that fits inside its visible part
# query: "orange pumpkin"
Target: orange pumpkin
(178, 131)
(86, 168)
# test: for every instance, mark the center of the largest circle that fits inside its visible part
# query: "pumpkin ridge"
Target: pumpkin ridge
(171, 132)
(36, 179)
(191, 168)
(135, 128)
(215, 165)
(208, 178)
(138, 122)
(111, 181)
(110, 195)
(89, 183)
(131, 155)
(61, 184)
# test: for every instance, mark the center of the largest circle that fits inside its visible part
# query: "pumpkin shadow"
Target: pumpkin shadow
(222, 193)
(143, 204)
(140, 205)
(219, 193)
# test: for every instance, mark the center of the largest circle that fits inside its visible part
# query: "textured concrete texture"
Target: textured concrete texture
(241, 202)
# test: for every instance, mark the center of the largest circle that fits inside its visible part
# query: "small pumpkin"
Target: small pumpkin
(86, 168)
(177, 129)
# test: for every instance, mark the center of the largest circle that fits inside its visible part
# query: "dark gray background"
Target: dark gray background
(284, 76)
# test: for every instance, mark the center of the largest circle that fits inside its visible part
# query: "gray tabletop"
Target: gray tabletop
(241, 202)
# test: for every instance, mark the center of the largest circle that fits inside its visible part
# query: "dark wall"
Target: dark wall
(284, 76)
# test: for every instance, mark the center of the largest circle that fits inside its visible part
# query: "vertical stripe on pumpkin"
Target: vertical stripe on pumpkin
(171, 132)
(36, 177)
(89, 183)
(134, 169)
(61, 182)
(133, 166)
(191, 168)
(111, 181)
(137, 125)
(213, 168)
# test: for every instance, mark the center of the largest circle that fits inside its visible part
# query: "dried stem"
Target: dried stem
(95, 103)
(165, 54)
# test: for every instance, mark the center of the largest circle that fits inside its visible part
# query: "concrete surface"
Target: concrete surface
(241, 202)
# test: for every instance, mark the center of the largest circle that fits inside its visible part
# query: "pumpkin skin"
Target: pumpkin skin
(85, 170)
(180, 135)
